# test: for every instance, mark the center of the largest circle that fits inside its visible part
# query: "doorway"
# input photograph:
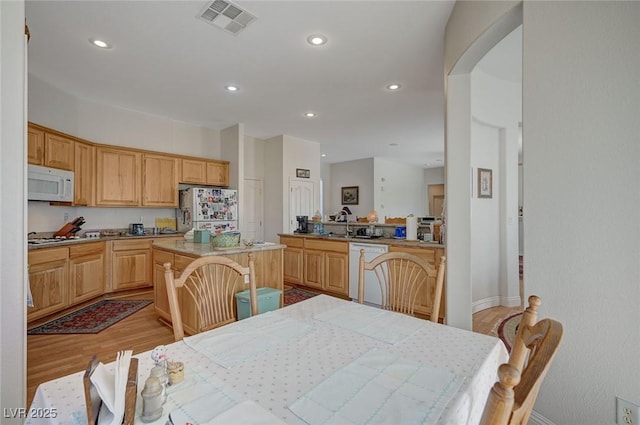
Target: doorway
(436, 199)
(301, 200)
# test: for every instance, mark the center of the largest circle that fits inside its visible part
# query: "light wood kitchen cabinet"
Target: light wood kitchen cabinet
(35, 146)
(432, 255)
(194, 171)
(218, 173)
(86, 271)
(293, 259)
(58, 151)
(48, 271)
(118, 177)
(84, 174)
(160, 180)
(131, 264)
(326, 266)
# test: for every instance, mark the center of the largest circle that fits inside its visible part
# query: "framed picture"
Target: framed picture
(350, 195)
(303, 173)
(485, 183)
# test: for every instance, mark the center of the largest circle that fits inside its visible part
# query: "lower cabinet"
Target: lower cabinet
(432, 255)
(318, 264)
(48, 274)
(86, 271)
(131, 264)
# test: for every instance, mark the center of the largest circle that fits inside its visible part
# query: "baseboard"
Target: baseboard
(537, 419)
(510, 301)
(485, 303)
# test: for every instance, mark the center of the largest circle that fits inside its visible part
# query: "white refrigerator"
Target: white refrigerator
(206, 208)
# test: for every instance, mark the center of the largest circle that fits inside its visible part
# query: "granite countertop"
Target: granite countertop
(204, 249)
(101, 239)
(383, 241)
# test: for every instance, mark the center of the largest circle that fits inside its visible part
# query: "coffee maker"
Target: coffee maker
(303, 224)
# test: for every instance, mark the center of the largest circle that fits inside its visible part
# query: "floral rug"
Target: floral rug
(91, 319)
(506, 329)
(295, 295)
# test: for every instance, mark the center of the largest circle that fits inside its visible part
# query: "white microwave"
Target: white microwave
(49, 184)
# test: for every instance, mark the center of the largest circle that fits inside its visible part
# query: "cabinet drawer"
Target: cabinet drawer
(181, 262)
(132, 244)
(292, 242)
(161, 257)
(326, 245)
(48, 255)
(86, 249)
(428, 254)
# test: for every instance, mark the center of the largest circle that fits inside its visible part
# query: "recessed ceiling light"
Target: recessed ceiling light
(324, 155)
(317, 40)
(310, 114)
(100, 43)
(231, 88)
(394, 86)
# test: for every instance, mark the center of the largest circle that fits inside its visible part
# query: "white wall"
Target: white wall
(108, 124)
(352, 173)
(253, 158)
(12, 209)
(399, 189)
(580, 129)
(581, 95)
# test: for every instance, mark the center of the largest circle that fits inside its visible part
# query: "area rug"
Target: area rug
(507, 328)
(295, 295)
(91, 319)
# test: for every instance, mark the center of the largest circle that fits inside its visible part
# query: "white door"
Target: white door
(301, 201)
(253, 210)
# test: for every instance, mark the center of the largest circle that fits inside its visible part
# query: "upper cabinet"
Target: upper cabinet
(218, 173)
(160, 180)
(207, 172)
(58, 152)
(35, 146)
(117, 177)
(84, 168)
(49, 149)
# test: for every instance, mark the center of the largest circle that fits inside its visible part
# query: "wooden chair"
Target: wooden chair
(401, 277)
(511, 399)
(211, 284)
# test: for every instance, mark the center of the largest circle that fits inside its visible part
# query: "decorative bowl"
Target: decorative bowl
(225, 240)
(248, 242)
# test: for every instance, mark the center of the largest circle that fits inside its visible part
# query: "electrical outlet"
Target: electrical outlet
(627, 413)
(66, 217)
(246, 279)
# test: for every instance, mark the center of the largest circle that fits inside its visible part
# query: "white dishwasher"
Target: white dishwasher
(372, 293)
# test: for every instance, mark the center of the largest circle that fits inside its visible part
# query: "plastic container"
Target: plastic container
(201, 236)
(268, 300)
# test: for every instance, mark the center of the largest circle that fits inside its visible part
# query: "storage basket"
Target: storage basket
(226, 240)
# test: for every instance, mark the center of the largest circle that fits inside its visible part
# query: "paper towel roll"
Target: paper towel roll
(412, 228)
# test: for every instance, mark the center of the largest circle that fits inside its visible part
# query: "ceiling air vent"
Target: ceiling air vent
(226, 16)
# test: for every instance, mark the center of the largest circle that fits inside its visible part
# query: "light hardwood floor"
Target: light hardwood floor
(52, 356)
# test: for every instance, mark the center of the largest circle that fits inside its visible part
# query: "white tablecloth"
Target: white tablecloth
(285, 370)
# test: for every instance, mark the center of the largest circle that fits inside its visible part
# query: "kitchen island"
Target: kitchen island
(268, 262)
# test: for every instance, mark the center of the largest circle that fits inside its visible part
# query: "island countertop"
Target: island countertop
(206, 249)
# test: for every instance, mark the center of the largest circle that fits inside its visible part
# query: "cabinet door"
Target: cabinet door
(160, 180)
(218, 173)
(86, 277)
(194, 171)
(423, 300)
(48, 284)
(336, 272)
(35, 146)
(117, 177)
(160, 299)
(293, 264)
(58, 152)
(84, 172)
(131, 269)
(313, 268)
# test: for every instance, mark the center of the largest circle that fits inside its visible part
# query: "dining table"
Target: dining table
(323, 360)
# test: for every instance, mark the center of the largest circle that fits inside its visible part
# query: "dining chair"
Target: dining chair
(511, 399)
(210, 284)
(401, 277)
